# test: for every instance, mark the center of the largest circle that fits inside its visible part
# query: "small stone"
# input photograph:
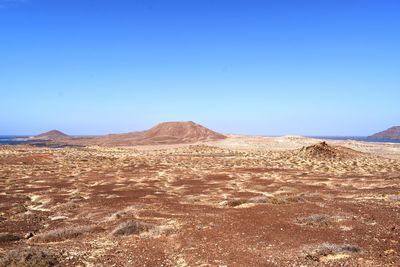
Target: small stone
(28, 235)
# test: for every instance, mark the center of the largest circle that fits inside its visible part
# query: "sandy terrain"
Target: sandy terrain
(240, 201)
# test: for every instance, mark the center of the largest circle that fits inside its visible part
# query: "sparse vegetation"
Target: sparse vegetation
(131, 228)
(326, 251)
(264, 200)
(7, 237)
(19, 209)
(162, 230)
(235, 202)
(246, 209)
(394, 198)
(258, 200)
(64, 233)
(316, 220)
(29, 257)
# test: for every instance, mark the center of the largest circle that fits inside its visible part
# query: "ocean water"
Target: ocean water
(16, 140)
(356, 138)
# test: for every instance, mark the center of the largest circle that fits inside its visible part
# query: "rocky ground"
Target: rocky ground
(215, 204)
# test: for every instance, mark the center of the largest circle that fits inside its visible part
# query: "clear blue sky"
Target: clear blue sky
(274, 67)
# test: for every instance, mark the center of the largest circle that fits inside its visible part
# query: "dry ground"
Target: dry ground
(242, 201)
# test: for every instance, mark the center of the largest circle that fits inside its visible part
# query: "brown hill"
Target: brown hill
(179, 132)
(51, 135)
(323, 151)
(389, 134)
(163, 133)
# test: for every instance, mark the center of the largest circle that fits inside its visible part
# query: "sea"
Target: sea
(15, 140)
(18, 139)
(22, 139)
(355, 138)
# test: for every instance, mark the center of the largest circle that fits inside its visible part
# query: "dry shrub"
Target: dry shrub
(295, 199)
(287, 199)
(264, 199)
(131, 228)
(394, 198)
(28, 257)
(327, 249)
(317, 220)
(64, 233)
(127, 211)
(62, 207)
(163, 230)
(18, 209)
(7, 237)
(234, 202)
(258, 200)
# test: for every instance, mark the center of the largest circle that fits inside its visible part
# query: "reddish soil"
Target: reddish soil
(196, 206)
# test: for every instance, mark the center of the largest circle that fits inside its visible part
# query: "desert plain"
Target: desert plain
(239, 201)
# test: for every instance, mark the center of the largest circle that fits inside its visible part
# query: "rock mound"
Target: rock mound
(389, 134)
(324, 151)
(51, 135)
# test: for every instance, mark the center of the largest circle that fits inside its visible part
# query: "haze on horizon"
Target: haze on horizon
(247, 67)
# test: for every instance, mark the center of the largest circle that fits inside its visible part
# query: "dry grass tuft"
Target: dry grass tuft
(328, 251)
(165, 229)
(264, 200)
(18, 209)
(235, 202)
(64, 233)
(28, 257)
(259, 200)
(294, 199)
(316, 220)
(131, 228)
(7, 237)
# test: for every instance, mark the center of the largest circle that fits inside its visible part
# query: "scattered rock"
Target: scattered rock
(28, 235)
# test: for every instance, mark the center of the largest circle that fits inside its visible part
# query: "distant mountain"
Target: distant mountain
(389, 134)
(163, 133)
(179, 132)
(51, 135)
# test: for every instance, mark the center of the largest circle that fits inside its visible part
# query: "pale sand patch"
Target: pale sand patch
(334, 257)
